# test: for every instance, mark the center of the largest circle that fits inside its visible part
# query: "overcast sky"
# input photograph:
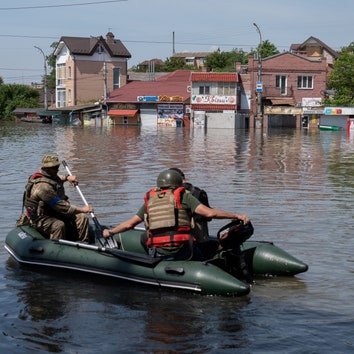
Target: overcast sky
(146, 27)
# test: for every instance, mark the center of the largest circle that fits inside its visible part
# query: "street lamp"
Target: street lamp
(259, 86)
(45, 78)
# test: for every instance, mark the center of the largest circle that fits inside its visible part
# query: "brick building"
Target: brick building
(293, 84)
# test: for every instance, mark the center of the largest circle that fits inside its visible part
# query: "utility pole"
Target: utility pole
(104, 82)
(173, 42)
(259, 85)
(45, 79)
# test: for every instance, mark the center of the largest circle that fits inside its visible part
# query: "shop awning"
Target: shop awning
(122, 112)
(48, 113)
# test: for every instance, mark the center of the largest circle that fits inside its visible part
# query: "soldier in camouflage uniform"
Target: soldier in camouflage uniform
(48, 207)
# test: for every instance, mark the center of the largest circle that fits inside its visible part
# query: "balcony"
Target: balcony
(279, 96)
(276, 92)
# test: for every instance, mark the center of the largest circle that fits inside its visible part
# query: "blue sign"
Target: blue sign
(259, 86)
(147, 98)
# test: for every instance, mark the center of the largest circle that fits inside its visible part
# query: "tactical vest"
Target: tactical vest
(167, 224)
(32, 205)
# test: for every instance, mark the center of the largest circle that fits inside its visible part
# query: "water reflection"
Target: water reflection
(296, 186)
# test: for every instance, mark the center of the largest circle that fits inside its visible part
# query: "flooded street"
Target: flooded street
(297, 187)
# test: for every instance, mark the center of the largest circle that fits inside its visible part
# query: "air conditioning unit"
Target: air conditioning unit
(188, 110)
(189, 88)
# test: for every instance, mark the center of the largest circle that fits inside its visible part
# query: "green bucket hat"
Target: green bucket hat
(50, 160)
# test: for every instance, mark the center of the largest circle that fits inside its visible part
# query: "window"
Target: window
(61, 98)
(304, 82)
(226, 88)
(204, 90)
(116, 83)
(69, 96)
(60, 74)
(190, 61)
(69, 72)
(280, 82)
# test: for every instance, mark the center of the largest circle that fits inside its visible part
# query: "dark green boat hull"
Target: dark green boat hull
(131, 263)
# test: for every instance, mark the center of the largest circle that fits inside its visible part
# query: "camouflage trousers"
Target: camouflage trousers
(75, 229)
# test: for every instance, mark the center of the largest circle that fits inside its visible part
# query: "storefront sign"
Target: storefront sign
(147, 98)
(170, 115)
(213, 99)
(331, 111)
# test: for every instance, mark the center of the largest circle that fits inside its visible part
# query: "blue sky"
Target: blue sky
(146, 27)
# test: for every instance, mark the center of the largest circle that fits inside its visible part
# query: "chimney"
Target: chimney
(110, 37)
(238, 66)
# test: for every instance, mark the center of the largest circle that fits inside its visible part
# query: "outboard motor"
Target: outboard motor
(231, 237)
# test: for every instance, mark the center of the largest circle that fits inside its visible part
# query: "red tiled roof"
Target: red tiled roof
(172, 84)
(214, 77)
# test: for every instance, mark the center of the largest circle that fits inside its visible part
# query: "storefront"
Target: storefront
(337, 118)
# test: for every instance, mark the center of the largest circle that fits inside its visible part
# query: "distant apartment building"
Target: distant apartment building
(88, 68)
(193, 59)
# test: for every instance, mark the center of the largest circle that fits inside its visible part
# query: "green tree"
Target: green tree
(225, 61)
(51, 61)
(266, 48)
(217, 60)
(1, 81)
(174, 63)
(341, 79)
(238, 55)
(13, 96)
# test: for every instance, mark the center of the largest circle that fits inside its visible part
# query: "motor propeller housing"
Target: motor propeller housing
(232, 235)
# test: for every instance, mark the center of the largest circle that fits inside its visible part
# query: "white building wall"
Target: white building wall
(220, 120)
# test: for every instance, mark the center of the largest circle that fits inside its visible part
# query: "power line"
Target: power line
(59, 5)
(141, 41)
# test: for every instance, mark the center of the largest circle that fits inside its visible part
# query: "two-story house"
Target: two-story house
(292, 85)
(215, 100)
(315, 48)
(88, 68)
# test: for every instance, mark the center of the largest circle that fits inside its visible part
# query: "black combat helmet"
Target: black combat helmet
(169, 178)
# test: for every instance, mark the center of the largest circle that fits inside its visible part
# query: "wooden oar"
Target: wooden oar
(104, 242)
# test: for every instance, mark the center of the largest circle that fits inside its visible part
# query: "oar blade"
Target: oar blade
(109, 242)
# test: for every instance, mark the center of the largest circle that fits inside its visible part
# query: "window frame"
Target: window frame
(305, 82)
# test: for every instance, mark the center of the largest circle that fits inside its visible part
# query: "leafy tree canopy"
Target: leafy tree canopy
(176, 63)
(218, 60)
(51, 60)
(267, 49)
(13, 96)
(341, 79)
(225, 61)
